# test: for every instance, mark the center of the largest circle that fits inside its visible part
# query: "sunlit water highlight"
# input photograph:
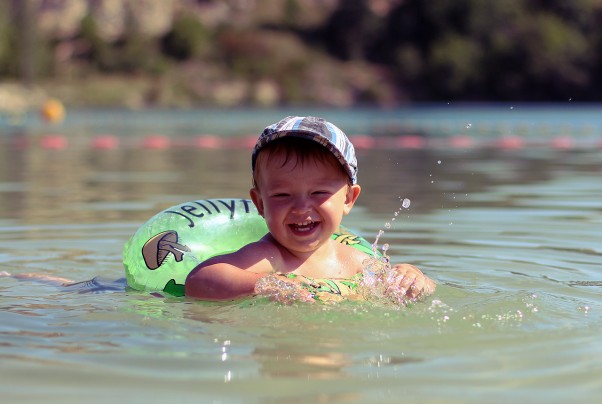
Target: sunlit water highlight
(511, 237)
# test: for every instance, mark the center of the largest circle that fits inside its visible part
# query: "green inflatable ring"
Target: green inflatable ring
(163, 251)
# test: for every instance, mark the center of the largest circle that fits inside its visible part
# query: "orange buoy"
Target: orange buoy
(53, 111)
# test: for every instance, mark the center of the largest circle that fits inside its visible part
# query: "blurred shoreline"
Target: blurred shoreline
(183, 54)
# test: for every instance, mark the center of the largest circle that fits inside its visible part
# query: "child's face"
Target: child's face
(302, 203)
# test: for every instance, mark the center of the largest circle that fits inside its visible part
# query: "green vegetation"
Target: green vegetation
(352, 53)
(186, 40)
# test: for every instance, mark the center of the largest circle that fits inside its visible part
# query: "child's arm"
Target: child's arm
(414, 282)
(231, 276)
(220, 281)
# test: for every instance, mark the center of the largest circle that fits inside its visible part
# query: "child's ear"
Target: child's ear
(352, 193)
(257, 201)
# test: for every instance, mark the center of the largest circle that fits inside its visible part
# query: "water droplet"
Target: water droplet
(406, 203)
(396, 213)
(511, 107)
(438, 161)
(468, 125)
(385, 247)
(387, 225)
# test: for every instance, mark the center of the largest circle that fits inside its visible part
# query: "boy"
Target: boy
(304, 182)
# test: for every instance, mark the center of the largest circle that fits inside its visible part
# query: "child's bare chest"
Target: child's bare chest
(342, 265)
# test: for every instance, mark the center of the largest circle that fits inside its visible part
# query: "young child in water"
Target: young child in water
(304, 182)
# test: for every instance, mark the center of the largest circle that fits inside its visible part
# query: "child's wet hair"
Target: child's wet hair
(302, 150)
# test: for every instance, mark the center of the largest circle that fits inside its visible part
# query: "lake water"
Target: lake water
(505, 215)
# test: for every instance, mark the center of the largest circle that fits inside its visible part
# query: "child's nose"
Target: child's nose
(301, 204)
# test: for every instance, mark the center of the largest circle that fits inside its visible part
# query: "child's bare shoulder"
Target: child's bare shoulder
(352, 258)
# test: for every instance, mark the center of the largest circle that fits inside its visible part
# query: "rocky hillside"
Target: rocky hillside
(187, 53)
(181, 53)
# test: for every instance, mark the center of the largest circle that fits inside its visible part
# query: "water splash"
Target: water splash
(375, 244)
(279, 290)
(380, 282)
(405, 204)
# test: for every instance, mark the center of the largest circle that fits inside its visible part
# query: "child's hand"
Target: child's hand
(411, 280)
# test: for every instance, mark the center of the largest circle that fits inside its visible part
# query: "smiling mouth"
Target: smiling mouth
(303, 227)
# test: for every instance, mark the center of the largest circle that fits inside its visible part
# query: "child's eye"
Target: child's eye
(321, 192)
(280, 195)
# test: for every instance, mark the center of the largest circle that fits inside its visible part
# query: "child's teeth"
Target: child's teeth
(304, 226)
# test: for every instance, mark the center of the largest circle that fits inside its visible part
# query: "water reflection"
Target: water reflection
(283, 361)
(518, 273)
(86, 185)
(75, 185)
(435, 178)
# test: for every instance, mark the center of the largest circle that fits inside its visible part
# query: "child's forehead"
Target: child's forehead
(300, 175)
